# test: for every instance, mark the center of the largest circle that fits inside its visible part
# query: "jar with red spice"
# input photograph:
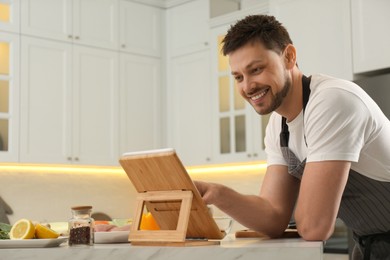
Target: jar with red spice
(81, 226)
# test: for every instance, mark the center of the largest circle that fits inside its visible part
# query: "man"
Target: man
(327, 145)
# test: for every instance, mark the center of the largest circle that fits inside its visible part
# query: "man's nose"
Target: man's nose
(248, 85)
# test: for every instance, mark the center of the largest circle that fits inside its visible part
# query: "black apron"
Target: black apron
(365, 204)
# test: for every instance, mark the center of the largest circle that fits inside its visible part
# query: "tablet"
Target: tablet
(162, 170)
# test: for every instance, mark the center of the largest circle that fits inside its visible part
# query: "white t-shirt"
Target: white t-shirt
(340, 122)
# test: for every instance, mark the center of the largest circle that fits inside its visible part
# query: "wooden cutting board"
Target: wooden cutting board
(162, 170)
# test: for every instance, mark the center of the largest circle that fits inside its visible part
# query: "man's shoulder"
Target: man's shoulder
(322, 81)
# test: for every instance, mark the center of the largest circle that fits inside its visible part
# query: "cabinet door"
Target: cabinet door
(94, 102)
(321, 32)
(189, 107)
(188, 27)
(10, 16)
(140, 28)
(95, 23)
(370, 21)
(88, 22)
(238, 129)
(45, 95)
(51, 19)
(9, 97)
(140, 103)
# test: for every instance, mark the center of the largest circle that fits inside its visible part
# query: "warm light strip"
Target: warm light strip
(212, 169)
(36, 168)
(255, 167)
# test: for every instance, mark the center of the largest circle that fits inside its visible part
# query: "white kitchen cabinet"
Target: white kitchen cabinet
(140, 103)
(9, 97)
(10, 16)
(238, 131)
(88, 22)
(141, 28)
(189, 108)
(188, 27)
(68, 103)
(370, 42)
(188, 82)
(321, 32)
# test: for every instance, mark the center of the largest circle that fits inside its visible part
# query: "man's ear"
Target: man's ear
(290, 56)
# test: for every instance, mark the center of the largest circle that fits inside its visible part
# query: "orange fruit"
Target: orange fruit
(22, 229)
(148, 222)
(42, 231)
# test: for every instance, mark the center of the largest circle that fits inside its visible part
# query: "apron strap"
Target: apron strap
(284, 134)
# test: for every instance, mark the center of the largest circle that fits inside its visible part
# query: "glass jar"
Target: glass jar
(81, 227)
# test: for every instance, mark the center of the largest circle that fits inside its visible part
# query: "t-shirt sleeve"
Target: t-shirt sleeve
(335, 123)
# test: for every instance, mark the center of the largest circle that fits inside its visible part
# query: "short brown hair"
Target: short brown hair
(262, 28)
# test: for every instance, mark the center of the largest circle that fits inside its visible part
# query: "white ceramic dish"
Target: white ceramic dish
(111, 237)
(29, 243)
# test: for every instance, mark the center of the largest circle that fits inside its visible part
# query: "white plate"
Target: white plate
(28, 243)
(111, 237)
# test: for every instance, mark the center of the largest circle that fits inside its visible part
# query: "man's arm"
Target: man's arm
(268, 213)
(319, 198)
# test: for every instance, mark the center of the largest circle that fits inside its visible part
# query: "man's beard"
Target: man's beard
(278, 98)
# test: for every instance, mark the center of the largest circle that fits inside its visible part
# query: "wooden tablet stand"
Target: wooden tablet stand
(167, 191)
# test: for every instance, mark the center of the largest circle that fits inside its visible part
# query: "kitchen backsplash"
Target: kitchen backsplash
(48, 196)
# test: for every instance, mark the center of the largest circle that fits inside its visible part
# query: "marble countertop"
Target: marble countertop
(229, 249)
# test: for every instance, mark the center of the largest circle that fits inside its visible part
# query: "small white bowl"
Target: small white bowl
(111, 237)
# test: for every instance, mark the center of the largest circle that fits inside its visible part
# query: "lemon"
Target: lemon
(42, 231)
(22, 229)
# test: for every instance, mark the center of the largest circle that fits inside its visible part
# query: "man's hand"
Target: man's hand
(208, 191)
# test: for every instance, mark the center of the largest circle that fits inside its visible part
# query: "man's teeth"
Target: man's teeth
(259, 95)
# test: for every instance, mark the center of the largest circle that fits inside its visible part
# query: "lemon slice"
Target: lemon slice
(22, 229)
(42, 231)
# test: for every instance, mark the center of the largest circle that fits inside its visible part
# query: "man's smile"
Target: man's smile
(259, 95)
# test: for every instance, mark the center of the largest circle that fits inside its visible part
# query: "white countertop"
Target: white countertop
(230, 248)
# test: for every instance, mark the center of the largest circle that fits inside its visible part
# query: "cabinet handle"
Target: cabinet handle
(123, 45)
(69, 158)
(255, 155)
(76, 159)
(70, 36)
(208, 159)
(206, 44)
(249, 155)
(77, 37)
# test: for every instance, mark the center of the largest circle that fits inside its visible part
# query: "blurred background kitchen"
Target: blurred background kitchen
(82, 82)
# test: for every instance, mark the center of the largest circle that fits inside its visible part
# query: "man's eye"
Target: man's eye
(238, 78)
(256, 70)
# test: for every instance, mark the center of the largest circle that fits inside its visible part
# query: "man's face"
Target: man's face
(261, 76)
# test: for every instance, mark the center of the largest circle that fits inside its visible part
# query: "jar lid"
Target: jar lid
(81, 207)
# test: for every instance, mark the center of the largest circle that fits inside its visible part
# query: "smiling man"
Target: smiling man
(327, 145)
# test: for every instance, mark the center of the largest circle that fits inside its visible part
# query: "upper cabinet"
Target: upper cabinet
(69, 110)
(140, 103)
(370, 22)
(88, 22)
(140, 28)
(10, 16)
(189, 106)
(189, 114)
(321, 32)
(188, 27)
(9, 97)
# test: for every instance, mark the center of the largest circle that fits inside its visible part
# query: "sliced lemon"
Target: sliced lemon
(42, 231)
(22, 229)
